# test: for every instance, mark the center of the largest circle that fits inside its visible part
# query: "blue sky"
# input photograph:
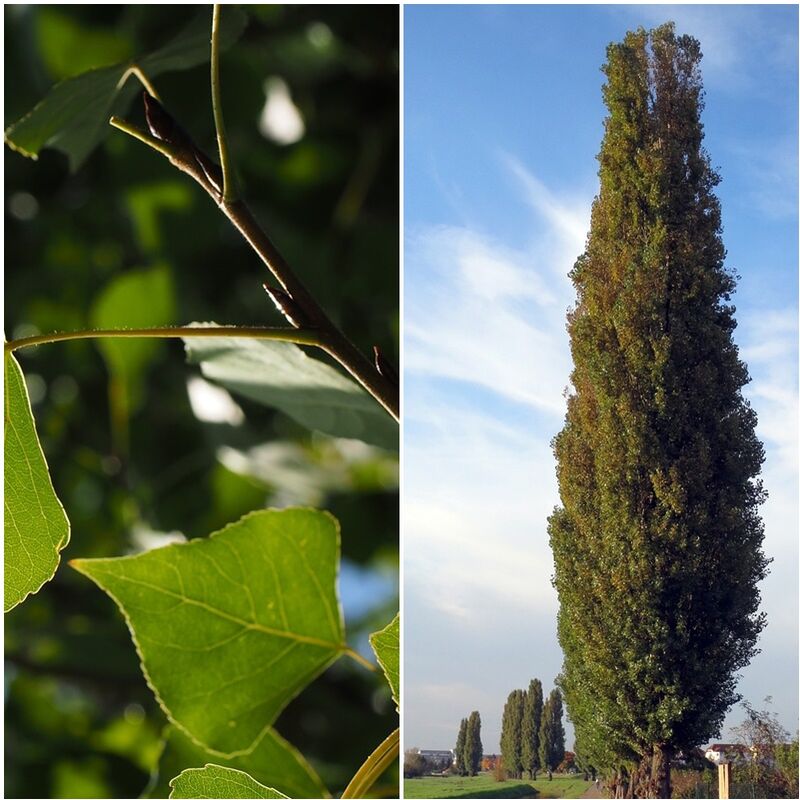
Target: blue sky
(503, 120)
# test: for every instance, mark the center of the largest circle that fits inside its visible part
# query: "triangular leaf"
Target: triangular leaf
(73, 116)
(220, 782)
(386, 645)
(249, 612)
(281, 375)
(274, 762)
(36, 527)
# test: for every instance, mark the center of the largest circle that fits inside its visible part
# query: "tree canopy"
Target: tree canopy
(657, 542)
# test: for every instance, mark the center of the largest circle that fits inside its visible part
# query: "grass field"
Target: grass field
(484, 785)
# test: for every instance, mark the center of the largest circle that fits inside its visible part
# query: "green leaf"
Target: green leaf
(36, 527)
(386, 644)
(73, 116)
(250, 612)
(221, 782)
(136, 299)
(281, 375)
(274, 762)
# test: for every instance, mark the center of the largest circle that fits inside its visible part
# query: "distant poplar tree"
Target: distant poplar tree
(657, 545)
(460, 754)
(473, 747)
(531, 722)
(551, 732)
(511, 734)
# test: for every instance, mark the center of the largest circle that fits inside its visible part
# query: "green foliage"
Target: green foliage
(80, 719)
(473, 747)
(214, 617)
(551, 732)
(657, 545)
(281, 375)
(142, 298)
(531, 722)
(460, 749)
(36, 527)
(273, 762)
(215, 781)
(386, 645)
(511, 733)
(73, 117)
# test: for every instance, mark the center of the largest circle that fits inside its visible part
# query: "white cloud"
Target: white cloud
(490, 314)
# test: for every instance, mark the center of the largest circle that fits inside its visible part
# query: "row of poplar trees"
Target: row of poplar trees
(469, 748)
(532, 733)
(658, 541)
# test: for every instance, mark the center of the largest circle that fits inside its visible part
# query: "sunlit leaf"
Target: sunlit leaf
(273, 762)
(36, 527)
(281, 375)
(73, 116)
(221, 782)
(250, 612)
(386, 644)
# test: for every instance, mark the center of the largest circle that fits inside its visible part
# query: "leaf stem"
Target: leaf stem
(330, 338)
(275, 334)
(375, 765)
(229, 192)
(358, 658)
(133, 69)
(138, 133)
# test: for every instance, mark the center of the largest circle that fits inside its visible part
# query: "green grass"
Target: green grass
(484, 785)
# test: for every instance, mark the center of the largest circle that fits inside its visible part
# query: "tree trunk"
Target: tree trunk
(652, 778)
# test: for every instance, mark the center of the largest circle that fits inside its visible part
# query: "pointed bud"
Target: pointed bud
(162, 125)
(286, 305)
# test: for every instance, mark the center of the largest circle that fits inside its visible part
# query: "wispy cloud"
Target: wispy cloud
(492, 315)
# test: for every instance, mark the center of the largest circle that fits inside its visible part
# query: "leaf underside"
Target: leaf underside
(273, 762)
(282, 376)
(36, 527)
(73, 116)
(230, 628)
(386, 645)
(220, 782)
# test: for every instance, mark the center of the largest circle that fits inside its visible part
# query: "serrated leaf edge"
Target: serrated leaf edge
(335, 654)
(67, 534)
(374, 636)
(232, 769)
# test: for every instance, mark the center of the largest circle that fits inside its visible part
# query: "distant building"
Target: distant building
(728, 753)
(438, 759)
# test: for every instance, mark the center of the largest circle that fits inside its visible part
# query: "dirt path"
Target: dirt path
(592, 791)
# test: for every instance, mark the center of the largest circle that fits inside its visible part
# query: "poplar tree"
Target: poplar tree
(531, 722)
(551, 732)
(460, 755)
(473, 747)
(511, 733)
(657, 543)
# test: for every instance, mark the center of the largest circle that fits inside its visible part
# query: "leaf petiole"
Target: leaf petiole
(275, 334)
(375, 765)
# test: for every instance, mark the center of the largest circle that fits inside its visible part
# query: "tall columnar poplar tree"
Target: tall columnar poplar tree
(551, 732)
(511, 734)
(473, 747)
(531, 722)
(657, 544)
(460, 755)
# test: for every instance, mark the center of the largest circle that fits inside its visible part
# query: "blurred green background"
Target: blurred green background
(311, 102)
